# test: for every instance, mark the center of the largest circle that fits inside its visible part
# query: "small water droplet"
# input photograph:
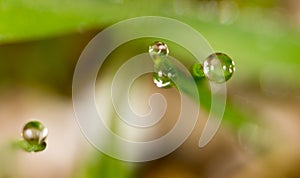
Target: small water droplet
(34, 134)
(158, 49)
(162, 80)
(197, 71)
(218, 67)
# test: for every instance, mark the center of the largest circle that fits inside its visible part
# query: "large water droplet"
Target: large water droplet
(218, 67)
(34, 134)
(158, 49)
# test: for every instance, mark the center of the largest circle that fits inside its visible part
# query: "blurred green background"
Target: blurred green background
(41, 41)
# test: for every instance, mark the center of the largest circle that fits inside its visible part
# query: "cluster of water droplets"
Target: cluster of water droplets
(217, 67)
(34, 137)
(164, 74)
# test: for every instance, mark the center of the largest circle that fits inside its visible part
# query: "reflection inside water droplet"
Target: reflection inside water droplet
(218, 67)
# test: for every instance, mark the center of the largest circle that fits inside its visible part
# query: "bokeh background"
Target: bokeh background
(41, 41)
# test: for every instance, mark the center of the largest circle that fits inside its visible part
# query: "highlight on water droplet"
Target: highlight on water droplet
(197, 71)
(34, 134)
(218, 67)
(158, 49)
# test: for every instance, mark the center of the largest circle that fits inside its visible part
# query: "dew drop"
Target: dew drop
(197, 71)
(162, 80)
(158, 49)
(218, 67)
(34, 134)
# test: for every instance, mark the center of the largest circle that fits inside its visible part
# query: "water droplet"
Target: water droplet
(162, 80)
(34, 134)
(197, 71)
(158, 49)
(218, 67)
